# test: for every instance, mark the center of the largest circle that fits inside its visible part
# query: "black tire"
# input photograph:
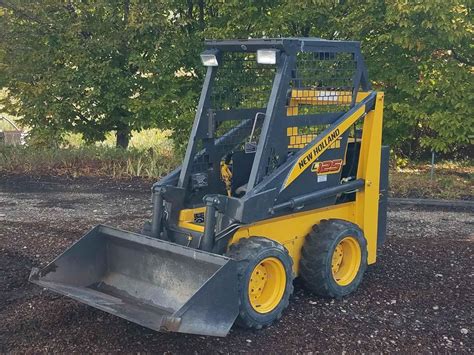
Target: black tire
(249, 252)
(317, 257)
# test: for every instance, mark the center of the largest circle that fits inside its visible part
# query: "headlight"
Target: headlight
(209, 58)
(267, 56)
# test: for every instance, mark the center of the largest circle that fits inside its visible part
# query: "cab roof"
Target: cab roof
(296, 44)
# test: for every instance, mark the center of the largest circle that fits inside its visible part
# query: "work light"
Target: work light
(267, 56)
(209, 58)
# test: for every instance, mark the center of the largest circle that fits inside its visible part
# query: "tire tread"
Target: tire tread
(244, 251)
(319, 242)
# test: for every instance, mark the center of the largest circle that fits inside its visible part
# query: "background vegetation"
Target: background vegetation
(92, 67)
(85, 76)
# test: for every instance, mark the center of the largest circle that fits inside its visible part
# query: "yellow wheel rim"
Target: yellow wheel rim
(267, 285)
(346, 260)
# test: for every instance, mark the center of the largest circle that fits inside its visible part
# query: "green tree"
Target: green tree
(419, 52)
(92, 67)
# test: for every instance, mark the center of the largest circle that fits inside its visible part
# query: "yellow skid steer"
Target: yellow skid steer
(284, 176)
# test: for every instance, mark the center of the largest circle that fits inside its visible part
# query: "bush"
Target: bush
(87, 161)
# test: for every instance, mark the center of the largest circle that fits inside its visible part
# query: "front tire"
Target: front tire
(265, 272)
(334, 258)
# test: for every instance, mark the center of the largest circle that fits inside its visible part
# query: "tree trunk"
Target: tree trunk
(123, 131)
(123, 138)
(201, 13)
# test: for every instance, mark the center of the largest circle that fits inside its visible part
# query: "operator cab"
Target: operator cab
(223, 155)
(246, 97)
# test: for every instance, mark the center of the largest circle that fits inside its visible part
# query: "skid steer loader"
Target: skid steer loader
(284, 176)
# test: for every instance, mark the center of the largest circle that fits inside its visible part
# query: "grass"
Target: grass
(87, 161)
(451, 180)
(151, 154)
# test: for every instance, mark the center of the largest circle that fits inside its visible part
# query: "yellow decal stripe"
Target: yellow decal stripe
(313, 152)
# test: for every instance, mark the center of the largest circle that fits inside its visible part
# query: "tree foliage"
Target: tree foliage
(93, 67)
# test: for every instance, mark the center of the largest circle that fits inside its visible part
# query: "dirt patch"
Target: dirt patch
(417, 298)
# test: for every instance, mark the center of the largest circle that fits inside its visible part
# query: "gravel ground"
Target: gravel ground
(417, 298)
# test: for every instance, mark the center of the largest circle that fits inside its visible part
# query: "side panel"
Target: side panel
(291, 230)
(367, 200)
(313, 151)
(382, 219)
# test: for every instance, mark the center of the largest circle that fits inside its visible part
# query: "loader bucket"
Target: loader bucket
(157, 284)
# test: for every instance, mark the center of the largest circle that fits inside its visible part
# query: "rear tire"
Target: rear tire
(265, 272)
(334, 258)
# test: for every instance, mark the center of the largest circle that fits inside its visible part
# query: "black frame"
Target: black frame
(264, 193)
